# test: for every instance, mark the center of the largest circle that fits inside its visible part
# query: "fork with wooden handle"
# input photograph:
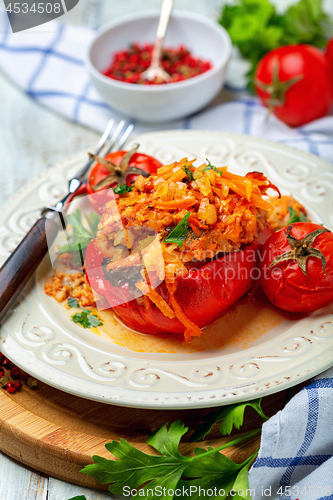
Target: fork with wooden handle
(22, 263)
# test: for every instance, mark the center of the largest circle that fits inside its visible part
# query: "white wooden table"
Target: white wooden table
(31, 140)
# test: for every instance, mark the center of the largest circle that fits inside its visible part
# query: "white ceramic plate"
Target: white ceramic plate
(263, 352)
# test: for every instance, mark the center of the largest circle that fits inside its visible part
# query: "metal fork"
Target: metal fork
(22, 263)
(117, 139)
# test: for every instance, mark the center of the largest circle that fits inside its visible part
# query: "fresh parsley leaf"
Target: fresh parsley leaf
(73, 302)
(212, 167)
(80, 497)
(179, 234)
(230, 416)
(296, 218)
(218, 472)
(135, 468)
(189, 173)
(86, 319)
(122, 188)
(305, 22)
(80, 236)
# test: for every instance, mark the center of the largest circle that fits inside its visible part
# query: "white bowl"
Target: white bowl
(156, 103)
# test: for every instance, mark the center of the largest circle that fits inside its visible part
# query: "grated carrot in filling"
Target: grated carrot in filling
(226, 211)
(191, 329)
(155, 297)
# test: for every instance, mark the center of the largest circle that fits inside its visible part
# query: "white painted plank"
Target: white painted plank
(59, 490)
(32, 138)
(20, 483)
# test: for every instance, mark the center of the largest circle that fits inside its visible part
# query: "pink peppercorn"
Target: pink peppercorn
(10, 387)
(15, 372)
(127, 65)
(6, 363)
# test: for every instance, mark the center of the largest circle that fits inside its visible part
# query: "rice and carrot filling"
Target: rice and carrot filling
(225, 211)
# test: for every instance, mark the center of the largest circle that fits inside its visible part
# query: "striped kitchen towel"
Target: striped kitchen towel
(49, 66)
(296, 454)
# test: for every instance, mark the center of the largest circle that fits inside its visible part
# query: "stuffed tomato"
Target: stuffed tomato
(178, 250)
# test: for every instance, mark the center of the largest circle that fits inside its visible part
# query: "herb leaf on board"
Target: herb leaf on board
(134, 468)
(230, 416)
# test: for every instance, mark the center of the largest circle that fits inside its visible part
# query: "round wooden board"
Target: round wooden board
(57, 433)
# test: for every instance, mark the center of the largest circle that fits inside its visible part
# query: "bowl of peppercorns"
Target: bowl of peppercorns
(195, 54)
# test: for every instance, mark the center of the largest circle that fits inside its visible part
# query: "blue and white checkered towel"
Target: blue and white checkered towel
(296, 455)
(297, 444)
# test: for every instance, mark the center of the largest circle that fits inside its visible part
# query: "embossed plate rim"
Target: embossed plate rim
(26, 356)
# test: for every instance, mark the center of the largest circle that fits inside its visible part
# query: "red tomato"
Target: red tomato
(293, 81)
(98, 173)
(285, 284)
(329, 55)
(204, 294)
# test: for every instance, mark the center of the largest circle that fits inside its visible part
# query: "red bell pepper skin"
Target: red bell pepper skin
(204, 294)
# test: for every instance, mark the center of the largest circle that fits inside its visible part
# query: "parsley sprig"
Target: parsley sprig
(170, 469)
(230, 416)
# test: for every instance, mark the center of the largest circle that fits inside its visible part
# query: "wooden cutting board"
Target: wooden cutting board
(57, 433)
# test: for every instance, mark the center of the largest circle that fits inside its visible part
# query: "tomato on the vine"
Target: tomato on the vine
(99, 173)
(294, 82)
(297, 267)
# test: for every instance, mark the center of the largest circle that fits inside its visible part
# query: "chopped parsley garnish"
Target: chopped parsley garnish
(189, 173)
(122, 188)
(294, 217)
(179, 234)
(73, 302)
(212, 167)
(86, 319)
